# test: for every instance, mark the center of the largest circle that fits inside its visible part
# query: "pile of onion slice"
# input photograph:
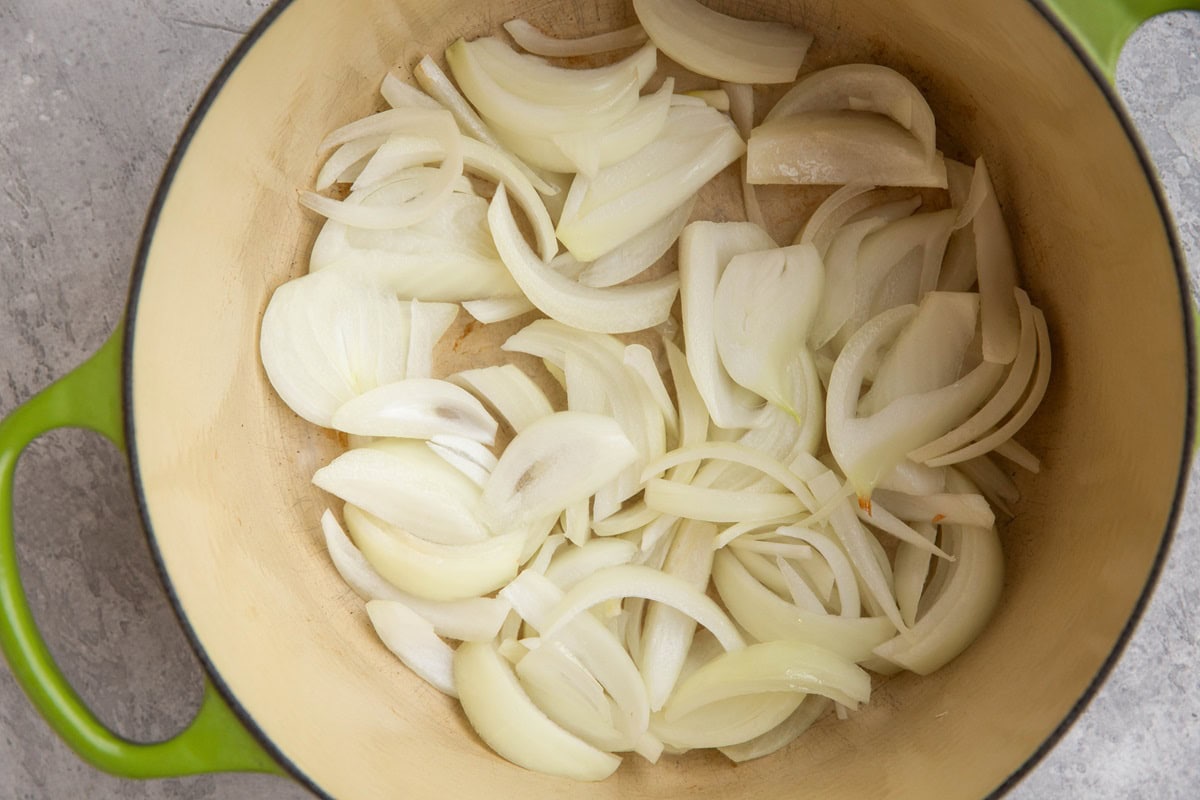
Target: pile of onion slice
(702, 524)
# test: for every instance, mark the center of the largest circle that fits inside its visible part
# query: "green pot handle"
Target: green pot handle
(1103, 26)
(215, 741)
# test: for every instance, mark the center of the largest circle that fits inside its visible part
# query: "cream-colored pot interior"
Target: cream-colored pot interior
(224, 467)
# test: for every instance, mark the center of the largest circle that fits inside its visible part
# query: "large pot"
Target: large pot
(298, 681)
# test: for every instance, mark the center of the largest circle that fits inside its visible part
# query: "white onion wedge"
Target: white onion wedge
(639, 253)
(512, 725)
(725, 722)
(705, 249)
(431, 570)
(571, 566)
(305, 317)
(862, 87)
(1004, 433)
(430, 321)
(569, 694)
(966, 602)
(867, 448)
(912, 570)
(997, 268)
(718, 505)
(813, 708)
(404, 484)
(538, 43)
(435, 82)
(951, 508)
(719, 46)
(554, 462)
(837, 147)
(497, 309)
(624, 199)
(469, 456)
(763, 309)
(739, 454)
(611, 95)
(667, 633)
(438, 125)
(779, 666)
(1003, 401)
(508, 390)
(414, 642)
(766, 617)
(615, 310)
(638, 581)
(476, 619)
(418, 408)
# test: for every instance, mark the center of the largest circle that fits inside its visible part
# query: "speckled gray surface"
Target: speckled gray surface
(92, 96)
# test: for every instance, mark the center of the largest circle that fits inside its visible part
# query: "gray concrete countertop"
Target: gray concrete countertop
(92, 97)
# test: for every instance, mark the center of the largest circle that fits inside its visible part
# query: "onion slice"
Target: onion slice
(556, 461)
(414, 642)
(615, 310)
(710, 43)
(431, 570)
(512, 725)
(538, 43)
(419, 408)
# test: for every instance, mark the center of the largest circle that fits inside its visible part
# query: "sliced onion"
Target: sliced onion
(862, 87)
(966, 602)
(639, 253)
(1003, 434)
(868, 448)
(813, 708)
(835, 557)
(414, 642)
(638, 581)
(888, 522)
(624, 199)
(512, 725)
(419, 408)
(705, 249)
(836, 147)
(404, 484)
(667, 633)
(571, 566)
(533, 40)
(429, 569)
(509, 391)
(556, 461)
(763, 308)
(997, 267)
(535, 598)
(431, 78)
(718, 505)
(1005, 398)
(779, 666)
(399, 94)
(430, 321)
(615, 310)
(438, 125)
(725, 722)
(710, 43)
(738, 454)
(303, 320)
(468, 456)
(497, 309)
(569, 694)
(338, 166)
(476, 619)
(951, 508)
(611, 94)
(912, 569)
(766, 617)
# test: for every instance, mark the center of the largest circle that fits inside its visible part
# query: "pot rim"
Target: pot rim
(179, 151)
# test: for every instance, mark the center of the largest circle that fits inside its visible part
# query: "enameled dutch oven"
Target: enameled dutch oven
(297, 681)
